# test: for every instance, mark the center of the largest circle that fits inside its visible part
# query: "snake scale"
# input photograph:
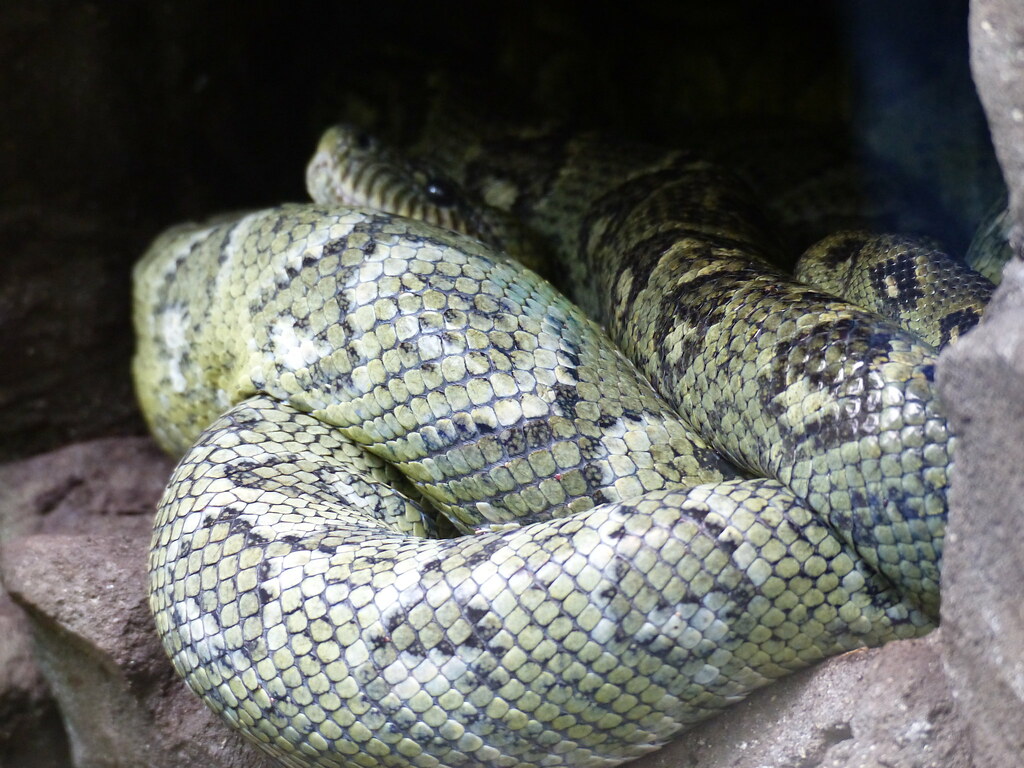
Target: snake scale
(345, 384)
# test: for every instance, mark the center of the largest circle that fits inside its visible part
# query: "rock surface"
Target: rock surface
(888, 707)
(982, 383)
(31, 734)
(997, 62)
(75, 532)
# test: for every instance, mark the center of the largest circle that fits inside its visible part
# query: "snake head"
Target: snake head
(352, 168)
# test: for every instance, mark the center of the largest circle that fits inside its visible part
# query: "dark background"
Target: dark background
(119, 119)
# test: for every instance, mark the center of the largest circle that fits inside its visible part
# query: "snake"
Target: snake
(569, 187)
(991, 247)
(899, 277)
(431, 512)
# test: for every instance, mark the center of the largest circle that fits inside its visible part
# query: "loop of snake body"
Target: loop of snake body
(338, 378)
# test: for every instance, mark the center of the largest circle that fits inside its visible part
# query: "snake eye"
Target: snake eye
(440, 193)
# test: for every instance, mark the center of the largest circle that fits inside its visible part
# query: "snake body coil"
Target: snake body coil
(901, 278)
(337, 377)
(786, 381)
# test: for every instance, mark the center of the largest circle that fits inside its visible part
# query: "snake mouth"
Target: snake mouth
(348, 169)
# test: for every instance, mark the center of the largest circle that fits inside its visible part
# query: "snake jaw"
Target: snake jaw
(319, 173)
(352, 169)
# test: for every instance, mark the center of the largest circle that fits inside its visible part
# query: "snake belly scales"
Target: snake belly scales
(337, 378)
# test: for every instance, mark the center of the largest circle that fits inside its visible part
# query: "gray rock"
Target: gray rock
(121, 702)
(982, 383)
(31, 734)
(67, 490)
(887, 707)
(997, 64)
(76, 529)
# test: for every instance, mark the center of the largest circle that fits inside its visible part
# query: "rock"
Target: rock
(887, 706)
(120, 699)
(997, 64)
(31, 734)
(75, 536)
(67, 490)
(982, 383)
(55, 272)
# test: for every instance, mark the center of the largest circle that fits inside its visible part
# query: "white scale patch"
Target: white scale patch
(351, 495)
(173, 325)
(294, 350)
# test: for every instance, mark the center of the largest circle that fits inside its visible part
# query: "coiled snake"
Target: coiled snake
(337, 376)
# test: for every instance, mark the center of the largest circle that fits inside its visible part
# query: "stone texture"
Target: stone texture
(121, 702)
(31, 734)
(997, 62)
(882, 708)
(982, 383)
(68, 491)
(53, 273)
(75, 532)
